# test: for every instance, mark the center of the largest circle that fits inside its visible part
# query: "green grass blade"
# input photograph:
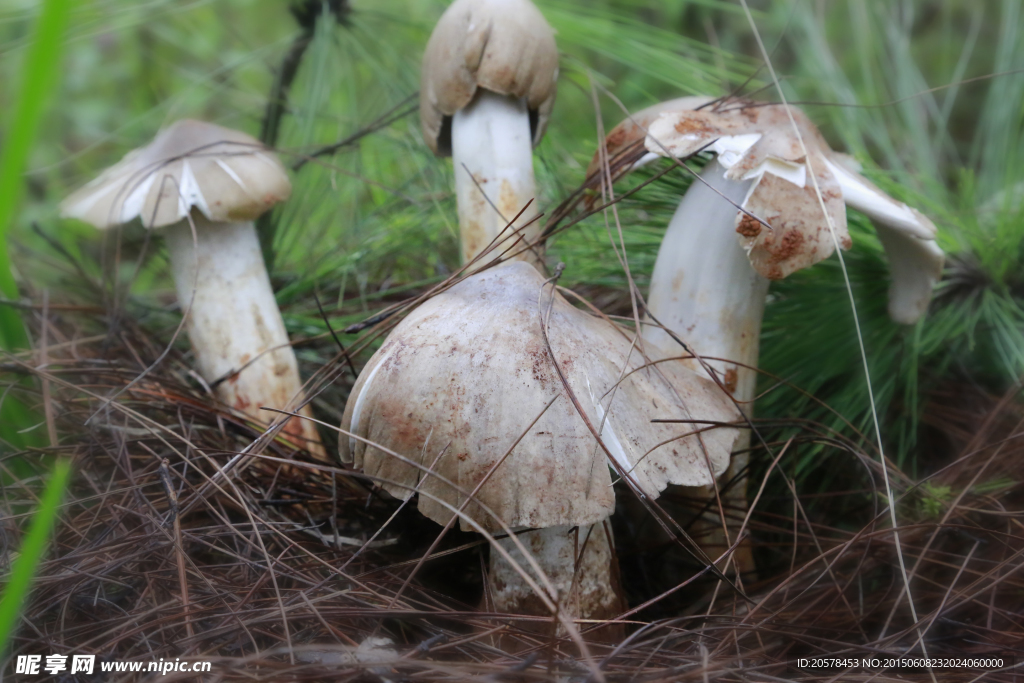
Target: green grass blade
(39, 77)
(32, 549)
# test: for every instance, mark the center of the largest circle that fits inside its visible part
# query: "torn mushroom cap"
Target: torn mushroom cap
(633, 129)
(227, 175)
(466, 373)
(504, 46)
(915, 260)
(758, 142)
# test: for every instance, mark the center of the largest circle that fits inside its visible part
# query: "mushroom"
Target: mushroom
(487, 89)
(217, 181)
(461, 379)
(709, 283)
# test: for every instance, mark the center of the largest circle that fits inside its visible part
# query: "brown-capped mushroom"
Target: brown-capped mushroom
(757, 143)
(713, 268)
(466, 373)
(486, 91)
(197, 174)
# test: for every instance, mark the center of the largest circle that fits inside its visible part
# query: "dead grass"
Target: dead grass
(172, 545)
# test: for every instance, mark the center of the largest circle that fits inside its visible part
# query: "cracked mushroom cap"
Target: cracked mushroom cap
(631, 131)
(466, 373)
(229, 176)
(757, 142)
(505, 46)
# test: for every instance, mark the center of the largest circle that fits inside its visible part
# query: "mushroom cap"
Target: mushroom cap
(466, 373)
(633, 129)
(228, 175)
(505, 46)
(757, 142)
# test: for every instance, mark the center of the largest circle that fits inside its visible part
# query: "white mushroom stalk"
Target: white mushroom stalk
(487, 90)
(492, 156)
(579, 561)
(239, 340)
(713, 268)
(704, 290)
(203, 185)
(469, 370)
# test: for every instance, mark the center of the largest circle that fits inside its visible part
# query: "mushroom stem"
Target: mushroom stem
(596, 593)
(704, 290)
(234, 323)
(491, 138)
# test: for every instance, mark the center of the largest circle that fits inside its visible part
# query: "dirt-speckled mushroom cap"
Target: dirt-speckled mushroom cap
(468, 371)
(505, 46)
(633, 129)
(229, 176)
(758, 142)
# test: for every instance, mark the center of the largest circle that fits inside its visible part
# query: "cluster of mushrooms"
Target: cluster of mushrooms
(500, 404)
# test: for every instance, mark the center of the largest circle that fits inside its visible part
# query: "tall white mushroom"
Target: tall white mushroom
(466, 373)
(712, 272)
(217, 180)
(486, 91)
